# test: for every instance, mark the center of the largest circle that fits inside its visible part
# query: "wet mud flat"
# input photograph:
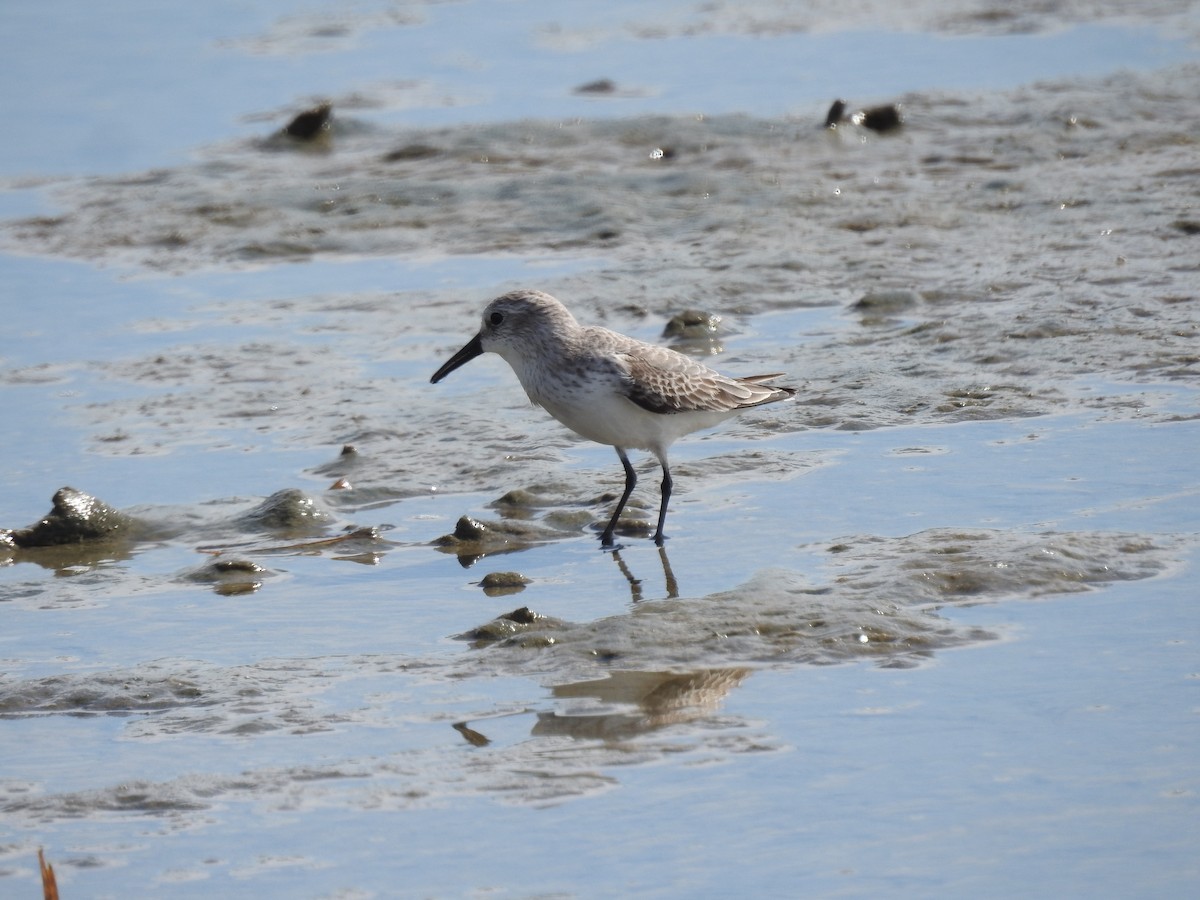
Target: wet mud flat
(996, 257)
(995, 250)
(662, 658)
(1004, 260)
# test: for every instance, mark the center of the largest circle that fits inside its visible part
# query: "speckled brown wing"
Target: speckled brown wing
(664, 381)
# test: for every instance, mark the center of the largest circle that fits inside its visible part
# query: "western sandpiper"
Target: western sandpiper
(608, 387)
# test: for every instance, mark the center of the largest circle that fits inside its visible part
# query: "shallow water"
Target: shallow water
(929, 629)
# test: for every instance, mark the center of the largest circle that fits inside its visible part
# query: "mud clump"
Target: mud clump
(496, 584)
(229, 577)
(881, 119)
(75, 518)
(473, 539)
(311, 123)
(287, 511)
(522, 627)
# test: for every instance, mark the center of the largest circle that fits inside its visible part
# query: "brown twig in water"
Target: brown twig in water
(49, 884)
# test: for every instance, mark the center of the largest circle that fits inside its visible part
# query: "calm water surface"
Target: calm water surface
(931, 629)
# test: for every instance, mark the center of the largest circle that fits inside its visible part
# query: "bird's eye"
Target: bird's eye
(496, 318)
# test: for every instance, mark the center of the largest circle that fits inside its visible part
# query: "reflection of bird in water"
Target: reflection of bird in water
(635, 584)
(608, 387)
(659, 699)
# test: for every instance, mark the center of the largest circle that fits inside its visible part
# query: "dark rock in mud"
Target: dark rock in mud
(75, 518)
(82, 531)
(885, 302)
(836, 114)
(519, 498)
(692, 324)
(311, 123)
(221, 568)
(521, 627)
(598, 87)
(524, 503)
(497, 584)
(881, 119)
(468, 529)
(562, 503)
(523, 616)
(472, 539)
(289, 510)
(229, 577)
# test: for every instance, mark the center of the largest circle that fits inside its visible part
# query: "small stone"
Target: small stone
(497, 584)
(286, 510)
(74, 518)
(522, 616)
(239, 566)
(692, 324)
(230, 577)
(887, 301)
(835, 114)
(468, 529)
(599, 86)
(879, 118)
(515, 627)
(310, 123)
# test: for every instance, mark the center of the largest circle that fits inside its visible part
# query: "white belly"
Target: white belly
(606, 417)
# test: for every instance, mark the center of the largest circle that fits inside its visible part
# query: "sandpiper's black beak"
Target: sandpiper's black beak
(473, 348)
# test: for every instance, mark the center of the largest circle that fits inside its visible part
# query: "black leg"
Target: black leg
(606, 539)
(666, 498)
